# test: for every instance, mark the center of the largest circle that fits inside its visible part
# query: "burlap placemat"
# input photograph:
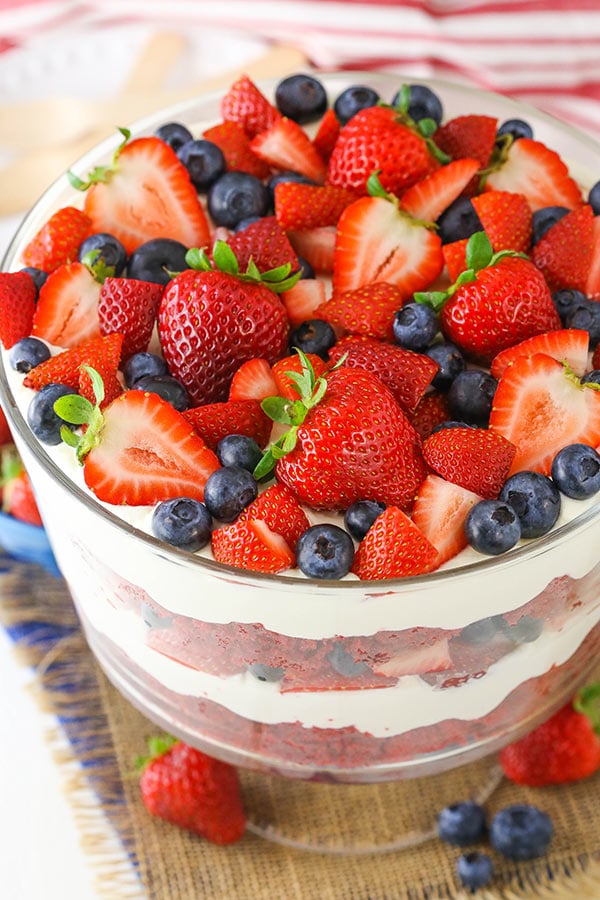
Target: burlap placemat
(174, 865)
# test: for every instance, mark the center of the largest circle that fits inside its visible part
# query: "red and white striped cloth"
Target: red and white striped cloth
(547, 53)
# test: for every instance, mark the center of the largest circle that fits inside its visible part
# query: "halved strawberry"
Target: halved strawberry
(540, 407)
(425, 657)
(130, 307)
(471, 135)
(377, 242)
(567, 345)
(428, 198)
(303, 300)
(367, 310)
(531, 168)
(67, 309)
(566, 251)
(286, 386)
(285, 145)
(455, 257)
(440, 511)
(394, 548)
(253, 380)
(266, 243)
(234, 143)
(246, 104)
(431, 410)
(58, 241)
(301, 206)
(506, 219)
(101, 353)
(278, 506)
(251, 544)
(405, 373)
(477, 459)
(316, 246)
(146, 193)
(17, 304)
(214, 421)
(327, 134)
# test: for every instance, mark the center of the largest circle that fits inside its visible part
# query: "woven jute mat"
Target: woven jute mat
(368, 842)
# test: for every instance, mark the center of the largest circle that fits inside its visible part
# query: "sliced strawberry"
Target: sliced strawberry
(376, 242)
(67, 307)
(455, 257)
(394, 548)
(147, 194)
(246, 104)
(540, 408)
(214, 421)
(433, 657)
(106, 365)
(367, 310)
(17, 304)
(506, 219)
(278, 506)
(58, 241)
(286, 386)
(405, 373)
(251, 544)
(303, 206)
(565, 252)
(266, 243)
(253, 381)
(477, 459)
(567, 345)
(303, 300)
(431, 410)
(234, 143)
(327, 134)
(428, 198)
(440, 511)
(470, 135)
(532, 169)
(101, 353)
(146, 453)
(285, 145)
(316, 246)
(130, 307)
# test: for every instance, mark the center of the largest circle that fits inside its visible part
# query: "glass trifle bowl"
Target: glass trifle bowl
(349, 681)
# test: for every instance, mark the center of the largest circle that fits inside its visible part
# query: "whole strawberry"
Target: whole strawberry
(348, 440)
(564, 748)
(189, 789)
(211, 320)
(18, 499)
(498, 301)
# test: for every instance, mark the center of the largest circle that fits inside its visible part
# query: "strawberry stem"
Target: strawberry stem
(425, 127)
(586, 702)
(100, 173)
(224, 260)
(158, 745)
(78, 410)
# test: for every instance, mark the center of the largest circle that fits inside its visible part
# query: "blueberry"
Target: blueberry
(110, 251)
(167, 387)
(182, 522)
(325, 551)
(576, 471)
(42, 419)
(28, 353)
(451, 423)
(313, 336)
(492, 527)
(517, 128)
(286, 176)
(521, 831)
(474, 870)
(38, 275)
(483, 631)
(423, 103)
(415, 326)
(263, 672)
(587, 318)
(461, 823)
(360, 515)
(458, 221)
(594, 198)
(204, 161)
(174, 134)
(238, 450)
(228, 491)
(566, 301)
(451, 363)
(343, 662)
(591, 377)
(545, 218)
(143, 363)
(471, 395)
(301, 98)
(525, 631)
(235, 196)
(306, 270)
(244, 223)
(155, 259)
(535, 499)
(352, 100)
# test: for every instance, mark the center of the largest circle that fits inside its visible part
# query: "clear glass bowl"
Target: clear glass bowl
(346, 681)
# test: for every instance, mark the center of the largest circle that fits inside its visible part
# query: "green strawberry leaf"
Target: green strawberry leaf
(77, 410)
(586, 702)
(100, 173)
(479, 251)
(198, 259)
(277, 409)
(225, 259)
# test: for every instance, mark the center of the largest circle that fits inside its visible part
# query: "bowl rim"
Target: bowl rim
(529, 550)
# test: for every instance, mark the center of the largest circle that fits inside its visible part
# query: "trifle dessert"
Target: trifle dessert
(305, 377)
